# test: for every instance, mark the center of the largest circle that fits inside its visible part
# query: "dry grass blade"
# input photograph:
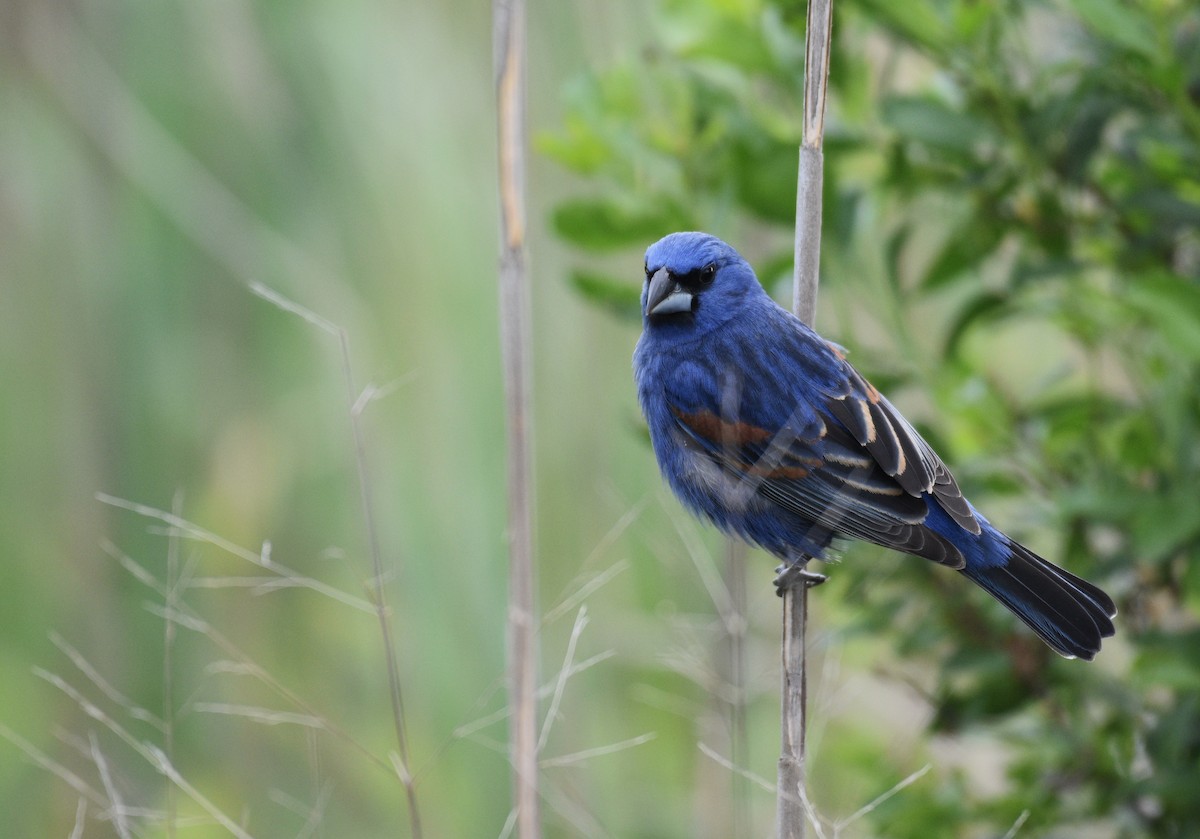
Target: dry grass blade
(867, 808)
(82, 787)
(159, 759)
(801, 801)
(101, 684)
(356, 403)
(257, 585)
(375, 393)
(1021, 819)
(757, 780)
(313, 816)
(706, 568)
(735, 678)
(250, 667)
(401, 769)
(117, 807)
(148, 752)
(563, 674)
(598, 751)
(811, 815)
(289, 577)
(263, 716)
(586, 590)
(171, 601)
(189, 530)
(509, 824)
(80, 818)
(275, 298)
(467, 729)
(573, 812)
(377, 590)
(240, 662)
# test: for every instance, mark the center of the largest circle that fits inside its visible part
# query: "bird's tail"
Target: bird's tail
(1069, 614)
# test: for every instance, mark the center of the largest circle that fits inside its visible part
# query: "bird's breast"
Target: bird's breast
(702, 481)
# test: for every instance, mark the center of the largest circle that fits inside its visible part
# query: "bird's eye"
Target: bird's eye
(708, 273)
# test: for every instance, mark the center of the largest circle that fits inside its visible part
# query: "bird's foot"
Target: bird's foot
(793, 574)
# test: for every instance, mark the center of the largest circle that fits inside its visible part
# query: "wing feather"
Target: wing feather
(827, 479)
(841, 457)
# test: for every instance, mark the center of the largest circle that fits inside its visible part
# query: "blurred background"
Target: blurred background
(196, 199)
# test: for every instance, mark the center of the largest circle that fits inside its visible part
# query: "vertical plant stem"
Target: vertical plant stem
(376, 588)
(171, 603)
(735, 581)
(508, 22)
(790, 813)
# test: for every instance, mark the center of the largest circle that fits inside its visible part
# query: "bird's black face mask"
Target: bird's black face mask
(668, 293)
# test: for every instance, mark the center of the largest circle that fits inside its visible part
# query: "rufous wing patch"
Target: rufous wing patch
(720, 431)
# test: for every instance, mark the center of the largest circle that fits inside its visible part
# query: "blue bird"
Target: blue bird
(763, 427)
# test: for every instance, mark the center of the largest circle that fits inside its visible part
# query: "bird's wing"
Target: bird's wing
(901, 453)
(845, 460)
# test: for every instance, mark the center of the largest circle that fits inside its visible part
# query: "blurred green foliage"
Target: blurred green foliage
(1012, 247)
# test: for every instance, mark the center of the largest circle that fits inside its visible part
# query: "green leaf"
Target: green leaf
(971, 243)
(933, 123)
(577, 146)
(893, 252)
(969, 19)
(1173, 306)
(988, 306)
(915, 20)
(1085, 131)
(1163, 211)
(1166, 525)
(1170, 661)
(732, 35)
(1120, 23)
(620, 297)
(765, 174)
(605, 224)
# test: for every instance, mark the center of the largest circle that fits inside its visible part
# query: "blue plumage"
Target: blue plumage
(763, 427)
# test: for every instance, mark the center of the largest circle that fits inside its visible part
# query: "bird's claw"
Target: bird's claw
(793, 574)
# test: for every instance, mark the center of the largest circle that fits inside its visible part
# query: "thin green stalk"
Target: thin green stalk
(170, 604)
(376, 589)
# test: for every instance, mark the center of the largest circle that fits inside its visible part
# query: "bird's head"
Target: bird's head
(695, 282)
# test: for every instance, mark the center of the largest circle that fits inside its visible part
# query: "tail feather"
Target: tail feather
(1069, 614)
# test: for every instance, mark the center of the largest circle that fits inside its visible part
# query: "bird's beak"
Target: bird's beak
(665, 296)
